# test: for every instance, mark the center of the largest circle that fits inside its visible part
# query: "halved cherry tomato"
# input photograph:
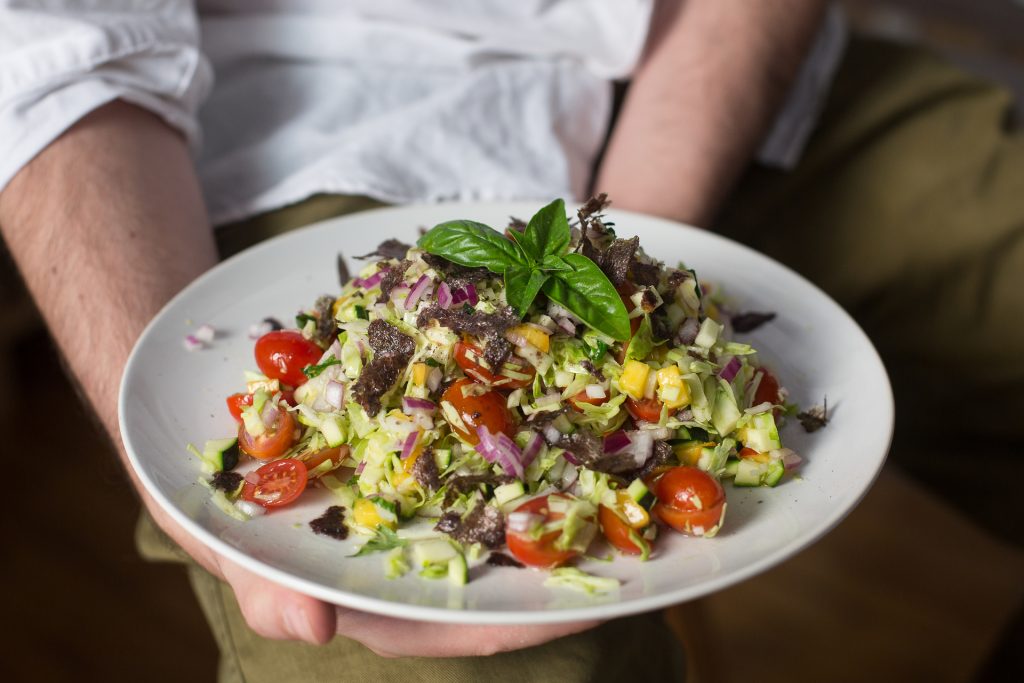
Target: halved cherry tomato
(236, 402)
(689, 500)
(648, 409)
(279, 482)
(272, 443)
(486, 408)
(618, 532)
(469, 356)
(767, 389)
(335, 455)
(582, 397)
(538, 552)
(283, 353)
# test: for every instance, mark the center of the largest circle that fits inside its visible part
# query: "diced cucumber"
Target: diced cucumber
(774, 474)
(332, 429)
(750, 472)
(222, 454)
(731, 466)
(708, 334)
(637, 490)
(434, 551)
(507, 492)
(458, 571)
(443, 458)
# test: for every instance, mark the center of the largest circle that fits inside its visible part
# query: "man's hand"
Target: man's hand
(713, 75)
(106, 225)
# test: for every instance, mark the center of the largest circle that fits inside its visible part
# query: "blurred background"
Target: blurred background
(909, 587)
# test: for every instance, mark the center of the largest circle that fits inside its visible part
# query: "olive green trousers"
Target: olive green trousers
(908, 209)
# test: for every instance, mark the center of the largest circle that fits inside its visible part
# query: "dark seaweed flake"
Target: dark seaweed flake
(748, 322)
(331, 523)
(389, 249)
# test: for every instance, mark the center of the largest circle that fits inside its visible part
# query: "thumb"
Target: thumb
(276, 612)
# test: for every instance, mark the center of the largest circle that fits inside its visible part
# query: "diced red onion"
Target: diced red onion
(373, 280)
(270, 414)
(685, 415)
(616, 441)
(361, 467)
(444, 295)
(458, 296)
(410, 444)
(334, 393)
(533, 447)
(333, 351)
(661, 433)
(566, 325)
(249, 508)
(687, 333)
(411, 404)
(552, 434)
(595, 391)
(569, 476)
(471, 294)
(511, 456)
(253, 477)
(205, 333)
(417, 292)
(522, 522)
(790, 459)
(192, 344)
(257, 330)
(641, 447)
(434, 378)
(570, 458)
(731, 368)
(547, 323)
(486, 446)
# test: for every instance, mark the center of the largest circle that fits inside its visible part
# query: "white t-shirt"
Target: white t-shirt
(401, 100)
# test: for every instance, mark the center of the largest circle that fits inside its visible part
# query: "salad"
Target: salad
(530, 396)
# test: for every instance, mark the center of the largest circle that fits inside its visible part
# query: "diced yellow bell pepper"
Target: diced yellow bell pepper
(534, 336)
(633, 380)
(689, 453)
(419, 373)
(672, 390)
(636, 516)
(365, 514)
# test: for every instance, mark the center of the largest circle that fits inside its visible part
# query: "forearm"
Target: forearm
(714, 74)
(106, 225)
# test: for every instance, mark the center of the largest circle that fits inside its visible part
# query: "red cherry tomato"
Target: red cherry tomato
(487, 408)
(272, 443)
(582, 397)
(282, 354)
(648, 409)
(335, 455)
(468, 357)
(689, 500)
(236, 402)
(767, 389)
(617, 531)
(278, 483)
(538, 552)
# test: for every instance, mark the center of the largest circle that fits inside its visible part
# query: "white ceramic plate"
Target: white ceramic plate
(170, 396)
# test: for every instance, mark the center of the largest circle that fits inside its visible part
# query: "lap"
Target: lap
(908, 208)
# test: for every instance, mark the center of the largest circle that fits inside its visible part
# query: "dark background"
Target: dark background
(908, 588)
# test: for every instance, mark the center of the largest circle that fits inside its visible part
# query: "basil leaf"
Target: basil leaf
(642, 342)
(587, 292)
(469, 243)
(547, 232)
(522, 286)
(552, 262)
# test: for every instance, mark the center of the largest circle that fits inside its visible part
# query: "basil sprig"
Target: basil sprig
(534, 260)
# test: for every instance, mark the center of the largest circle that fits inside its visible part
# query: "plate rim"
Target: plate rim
(390, 608)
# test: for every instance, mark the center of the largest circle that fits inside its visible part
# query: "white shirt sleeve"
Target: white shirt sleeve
(61, 59)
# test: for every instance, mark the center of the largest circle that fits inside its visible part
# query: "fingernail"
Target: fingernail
(297, 623)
